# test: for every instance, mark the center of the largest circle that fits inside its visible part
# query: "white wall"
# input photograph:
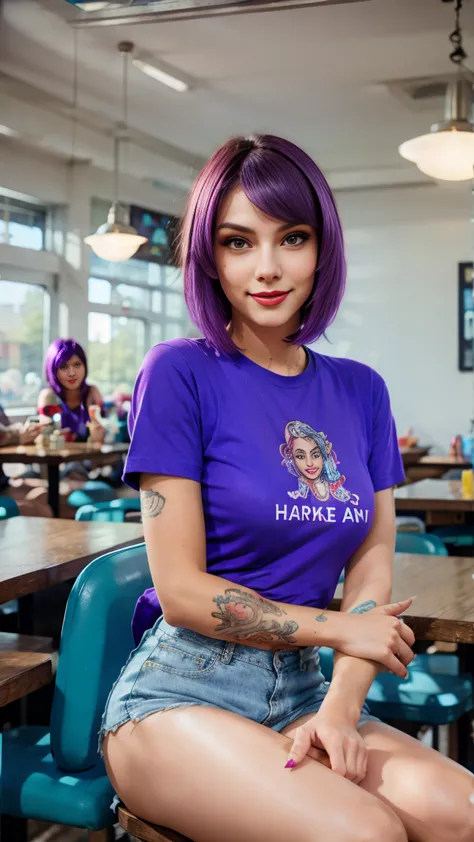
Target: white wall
(400, 312)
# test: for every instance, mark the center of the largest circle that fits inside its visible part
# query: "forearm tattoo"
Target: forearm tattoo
(364, 607)
(152, 503)
(321, 618)
(244, 616)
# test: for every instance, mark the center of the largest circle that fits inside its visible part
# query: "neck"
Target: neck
(72, 396)
(267, 346)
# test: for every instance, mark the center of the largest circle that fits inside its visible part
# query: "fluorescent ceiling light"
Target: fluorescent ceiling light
(8, 132)
(93, 7)
(151, 68)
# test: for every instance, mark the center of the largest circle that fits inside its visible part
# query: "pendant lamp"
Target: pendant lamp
(116, 240)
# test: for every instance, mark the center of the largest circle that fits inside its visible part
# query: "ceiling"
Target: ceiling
(316, 75)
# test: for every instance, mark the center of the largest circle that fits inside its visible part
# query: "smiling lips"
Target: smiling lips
(269, 299)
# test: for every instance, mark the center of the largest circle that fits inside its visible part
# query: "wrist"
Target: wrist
(341, 704)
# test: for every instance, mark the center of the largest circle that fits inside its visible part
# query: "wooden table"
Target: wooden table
(412, 455)
(444, 587)
(38, 552)
(433, 495)
(96, 453)
(26, 664)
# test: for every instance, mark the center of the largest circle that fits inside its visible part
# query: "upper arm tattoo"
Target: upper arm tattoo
(245, 616)
(152, 503)
(363, 607)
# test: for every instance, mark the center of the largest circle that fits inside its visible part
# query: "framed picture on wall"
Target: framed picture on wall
(465, 317)
(160, 230)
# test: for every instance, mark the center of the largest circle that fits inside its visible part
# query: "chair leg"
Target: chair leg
(105, 835)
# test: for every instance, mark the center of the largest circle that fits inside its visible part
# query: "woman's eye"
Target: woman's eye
(236, 243)
(296, 239)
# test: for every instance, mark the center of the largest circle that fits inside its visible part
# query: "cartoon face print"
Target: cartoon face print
(309, 456)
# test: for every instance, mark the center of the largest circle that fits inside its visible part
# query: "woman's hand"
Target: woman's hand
(379, 635)
(29, 434)
(332, 740)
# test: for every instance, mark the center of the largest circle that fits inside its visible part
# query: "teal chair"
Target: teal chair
(456, 536)
(8, 508)
(115, 510)
(94, 491)
(55, 774)
(426, 544)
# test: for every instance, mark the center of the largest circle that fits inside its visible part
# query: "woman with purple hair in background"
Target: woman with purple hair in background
(222, 708)
(66, 373)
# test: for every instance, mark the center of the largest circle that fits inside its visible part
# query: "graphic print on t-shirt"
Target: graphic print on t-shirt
(308, 455)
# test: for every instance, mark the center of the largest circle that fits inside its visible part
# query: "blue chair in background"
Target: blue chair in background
(55, 774)
(94, 491)
(8, 508)
(426, 544)
(456, 536)
(115, 510)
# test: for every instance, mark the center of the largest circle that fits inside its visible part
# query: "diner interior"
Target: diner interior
(108, 111)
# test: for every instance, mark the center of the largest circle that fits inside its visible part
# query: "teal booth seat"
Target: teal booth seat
(114, 510)
(8, 508)
(413, 542)
(93, 491)
(56, 774)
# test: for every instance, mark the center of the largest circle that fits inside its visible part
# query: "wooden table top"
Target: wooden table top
(26, 664)
(445, 462)
(431, 495)
(38, 552)
(444, 587)
(412, 455)
(71, 453)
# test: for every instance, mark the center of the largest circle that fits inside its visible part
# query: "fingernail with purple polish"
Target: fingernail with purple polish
(290, 765)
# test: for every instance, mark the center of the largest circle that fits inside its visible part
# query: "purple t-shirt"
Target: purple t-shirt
(288, 466)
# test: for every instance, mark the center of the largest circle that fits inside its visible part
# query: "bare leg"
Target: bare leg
(429, 792)
(214, 776)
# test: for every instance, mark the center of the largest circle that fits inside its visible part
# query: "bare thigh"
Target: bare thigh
(218, 777)
(430, 793)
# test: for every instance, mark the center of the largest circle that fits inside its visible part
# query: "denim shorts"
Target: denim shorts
(175, 667)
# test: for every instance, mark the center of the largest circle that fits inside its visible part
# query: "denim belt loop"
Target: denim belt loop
(227, 652)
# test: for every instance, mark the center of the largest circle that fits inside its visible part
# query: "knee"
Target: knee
(378, 823)
(381, 823)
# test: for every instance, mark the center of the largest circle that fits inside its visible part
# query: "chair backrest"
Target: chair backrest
(112, 510)
(410, 542)
(96, 641)
(8, 508)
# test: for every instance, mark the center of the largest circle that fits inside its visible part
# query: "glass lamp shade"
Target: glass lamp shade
(446, 155)
(115, 240)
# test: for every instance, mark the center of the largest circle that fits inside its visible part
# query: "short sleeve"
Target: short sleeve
(385, 462)
(164, 419)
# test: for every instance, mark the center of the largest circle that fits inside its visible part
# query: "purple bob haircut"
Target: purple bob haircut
(59, 352)
(284, 182)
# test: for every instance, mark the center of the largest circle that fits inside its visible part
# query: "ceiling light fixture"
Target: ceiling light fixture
(447, 152)
(159, 71)
(116, 240)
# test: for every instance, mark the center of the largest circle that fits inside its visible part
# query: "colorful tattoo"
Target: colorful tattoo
(152, 503)
(244, 616)
(364, 607)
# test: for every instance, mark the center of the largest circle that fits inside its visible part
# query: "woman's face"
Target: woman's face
(265, 266)
(308, 458)
(71, 373)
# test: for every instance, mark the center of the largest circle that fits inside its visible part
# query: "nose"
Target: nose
(268, 267)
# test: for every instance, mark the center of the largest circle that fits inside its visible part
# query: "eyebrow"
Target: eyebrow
(244, 230)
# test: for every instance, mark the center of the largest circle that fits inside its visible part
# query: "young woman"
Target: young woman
(221, 724)
(66, 372)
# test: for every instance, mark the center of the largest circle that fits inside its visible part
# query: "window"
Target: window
(133, 305)
(24, 332)
(22, 224)
(116, 351)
